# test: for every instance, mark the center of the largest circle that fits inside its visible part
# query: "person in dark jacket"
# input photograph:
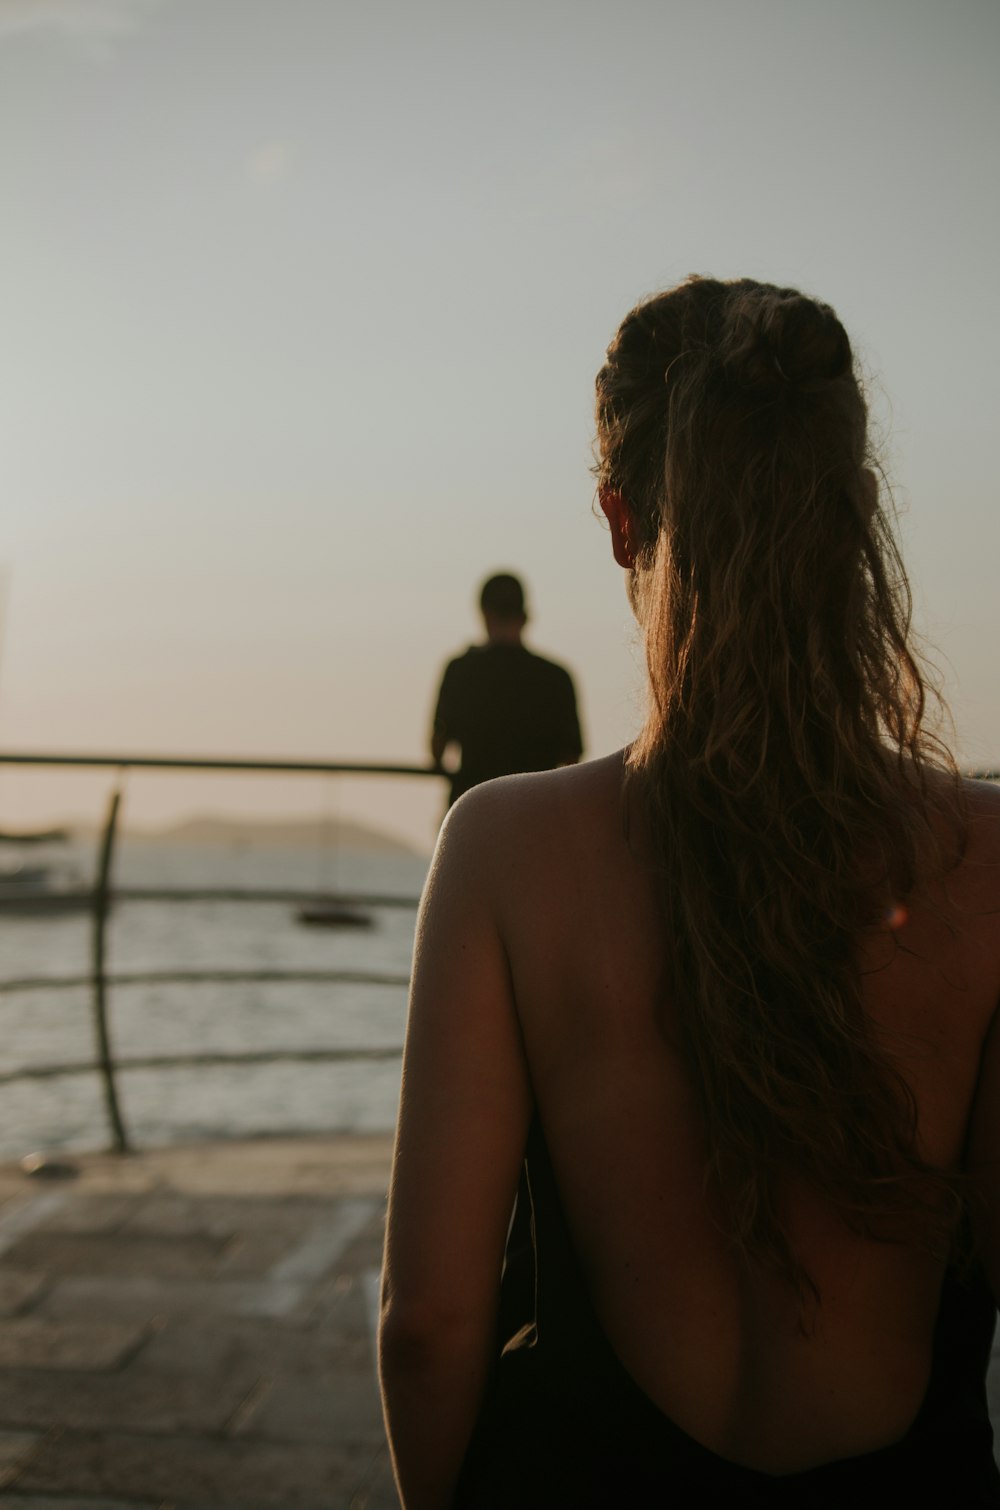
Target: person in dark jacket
(508, 709)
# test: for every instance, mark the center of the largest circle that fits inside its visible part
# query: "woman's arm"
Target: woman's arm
(464, 1114)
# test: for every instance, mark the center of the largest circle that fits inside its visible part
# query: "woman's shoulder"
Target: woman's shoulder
(959, 873)
(981, 832)
(982, 799)
(963, 812)
(969, 808)
(531, 824)
(540, 796)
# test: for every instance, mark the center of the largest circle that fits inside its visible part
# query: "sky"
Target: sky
(302, 307)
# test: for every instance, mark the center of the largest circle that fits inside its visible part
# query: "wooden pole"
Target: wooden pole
(105, 1057)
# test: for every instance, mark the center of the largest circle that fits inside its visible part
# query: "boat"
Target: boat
(333, 914)
(41, 888)
(25, 875)
(38, 888)
(34, 836)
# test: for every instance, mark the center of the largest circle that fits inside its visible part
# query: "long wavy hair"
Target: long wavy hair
(784, 763)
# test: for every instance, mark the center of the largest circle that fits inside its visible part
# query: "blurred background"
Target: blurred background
(301, 313)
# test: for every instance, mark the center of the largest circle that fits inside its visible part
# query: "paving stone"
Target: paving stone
(130, 1399)
(257, 1252)
(195, 1345)
(342, 1306)
(299, 1351)
(321, 1248)
(24, 1212)
(18, 1289)
(335, 1164)
(365, 1252)
(377, 1490)
(117, 1253)
(12, 1183)
(345, 1407)
(43, 1502)
(139, 1299)
(216, 1216)
(35, 1342)
(279, 1168)
(81, 1212)
(16, 1447)
(188, 1471)
(371, 1285)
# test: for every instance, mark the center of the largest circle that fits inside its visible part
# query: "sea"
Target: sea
(47, 1026)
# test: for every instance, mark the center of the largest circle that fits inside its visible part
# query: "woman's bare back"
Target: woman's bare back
(719, 1348)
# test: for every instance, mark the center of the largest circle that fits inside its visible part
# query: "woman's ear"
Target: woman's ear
(619, 517)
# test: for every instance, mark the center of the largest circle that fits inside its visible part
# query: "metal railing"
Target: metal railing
(100, 896)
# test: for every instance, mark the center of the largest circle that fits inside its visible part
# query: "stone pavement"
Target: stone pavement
(193, 1327)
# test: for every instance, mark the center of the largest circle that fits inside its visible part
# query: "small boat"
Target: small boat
(35, 836)
(333, 915)
(25, 875)
(45, 900)
(42, 889)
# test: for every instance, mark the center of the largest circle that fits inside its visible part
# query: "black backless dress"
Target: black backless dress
(565, 1427)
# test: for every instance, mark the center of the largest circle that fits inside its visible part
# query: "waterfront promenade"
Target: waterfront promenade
(193, 1327)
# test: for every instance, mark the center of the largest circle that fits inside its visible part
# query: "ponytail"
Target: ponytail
(783, 765)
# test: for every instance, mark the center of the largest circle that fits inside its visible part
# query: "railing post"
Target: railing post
(105, 1057)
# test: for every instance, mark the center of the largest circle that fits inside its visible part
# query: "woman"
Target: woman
(728, 992)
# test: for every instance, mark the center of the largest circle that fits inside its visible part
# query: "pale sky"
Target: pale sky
(302, 306)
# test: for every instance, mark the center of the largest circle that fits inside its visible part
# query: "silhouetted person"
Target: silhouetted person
(508, 709)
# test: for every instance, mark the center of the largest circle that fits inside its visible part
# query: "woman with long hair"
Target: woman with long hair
(721, 1003)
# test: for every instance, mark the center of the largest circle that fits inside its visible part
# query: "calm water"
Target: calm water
(54, 1026)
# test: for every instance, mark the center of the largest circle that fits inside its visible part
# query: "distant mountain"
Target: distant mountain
(281, 833)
